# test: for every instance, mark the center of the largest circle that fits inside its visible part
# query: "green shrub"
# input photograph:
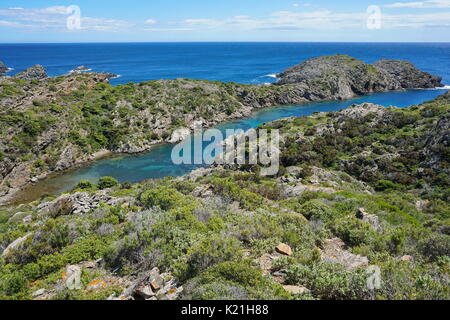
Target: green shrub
(330, 281)
(85, 185)
(234, 280)
(386, 185)
(32, 271)
(435, 246)
(164, 197)
(13, 283)
(107, 182)
(316, 210)
(207, 253)
(90, 248)
(353, 231)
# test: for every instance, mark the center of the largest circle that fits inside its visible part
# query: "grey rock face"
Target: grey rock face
(343, 73)
(372, 219)
(36, 72)
(408, 75)
(343, 77)
(3, 68)
(16, 244)
(334, 251)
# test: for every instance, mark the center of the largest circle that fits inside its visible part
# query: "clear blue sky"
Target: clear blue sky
(230, 20)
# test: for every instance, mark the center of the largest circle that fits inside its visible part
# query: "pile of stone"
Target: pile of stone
(152, 286)
(80, 202)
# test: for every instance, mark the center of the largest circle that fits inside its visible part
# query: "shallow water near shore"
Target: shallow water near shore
(157, 162)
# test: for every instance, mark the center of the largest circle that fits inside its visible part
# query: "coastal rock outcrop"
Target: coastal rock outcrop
(347, 77)
(407, 75)
(36, 72)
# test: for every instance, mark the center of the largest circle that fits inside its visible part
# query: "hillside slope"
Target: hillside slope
(366, 186)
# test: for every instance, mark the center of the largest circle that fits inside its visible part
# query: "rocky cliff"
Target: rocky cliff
(3, 68)
(407, 75)
(347, 76)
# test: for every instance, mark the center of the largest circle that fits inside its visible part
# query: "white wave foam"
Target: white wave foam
(79, 71)
(444, 88)
(271, 75)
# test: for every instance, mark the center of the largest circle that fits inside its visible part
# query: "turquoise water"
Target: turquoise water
(157, 162)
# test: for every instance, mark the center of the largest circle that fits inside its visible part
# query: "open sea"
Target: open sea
(252, 63)
(237, 62)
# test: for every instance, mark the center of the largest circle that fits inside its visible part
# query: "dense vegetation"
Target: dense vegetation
(56, 123)
(212, 229)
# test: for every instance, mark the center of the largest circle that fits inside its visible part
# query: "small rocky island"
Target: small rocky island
(349, 76)
(3, 68)
(56, 123)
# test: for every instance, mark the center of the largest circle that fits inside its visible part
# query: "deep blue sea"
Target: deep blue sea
(237, 62)
(253, 63)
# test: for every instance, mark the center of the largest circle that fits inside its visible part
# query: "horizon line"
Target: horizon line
(168, 42)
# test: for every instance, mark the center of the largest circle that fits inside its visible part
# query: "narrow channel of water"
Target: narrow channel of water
(157, 162)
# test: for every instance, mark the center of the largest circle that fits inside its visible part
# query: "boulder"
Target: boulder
(296, 289)
(97, 284)
(63, 205)
(407, 258)
(372, 219)
(36, 72)
(80, 202)
(334, 251)
(145, 292)
(16, 244)
(38, 293)
(152, 285)
(179, 135)
(284, 249)
(266, 263)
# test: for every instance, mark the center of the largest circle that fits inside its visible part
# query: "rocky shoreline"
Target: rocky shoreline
(173, 104)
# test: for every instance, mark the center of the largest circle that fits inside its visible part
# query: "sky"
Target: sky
(55, 21)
